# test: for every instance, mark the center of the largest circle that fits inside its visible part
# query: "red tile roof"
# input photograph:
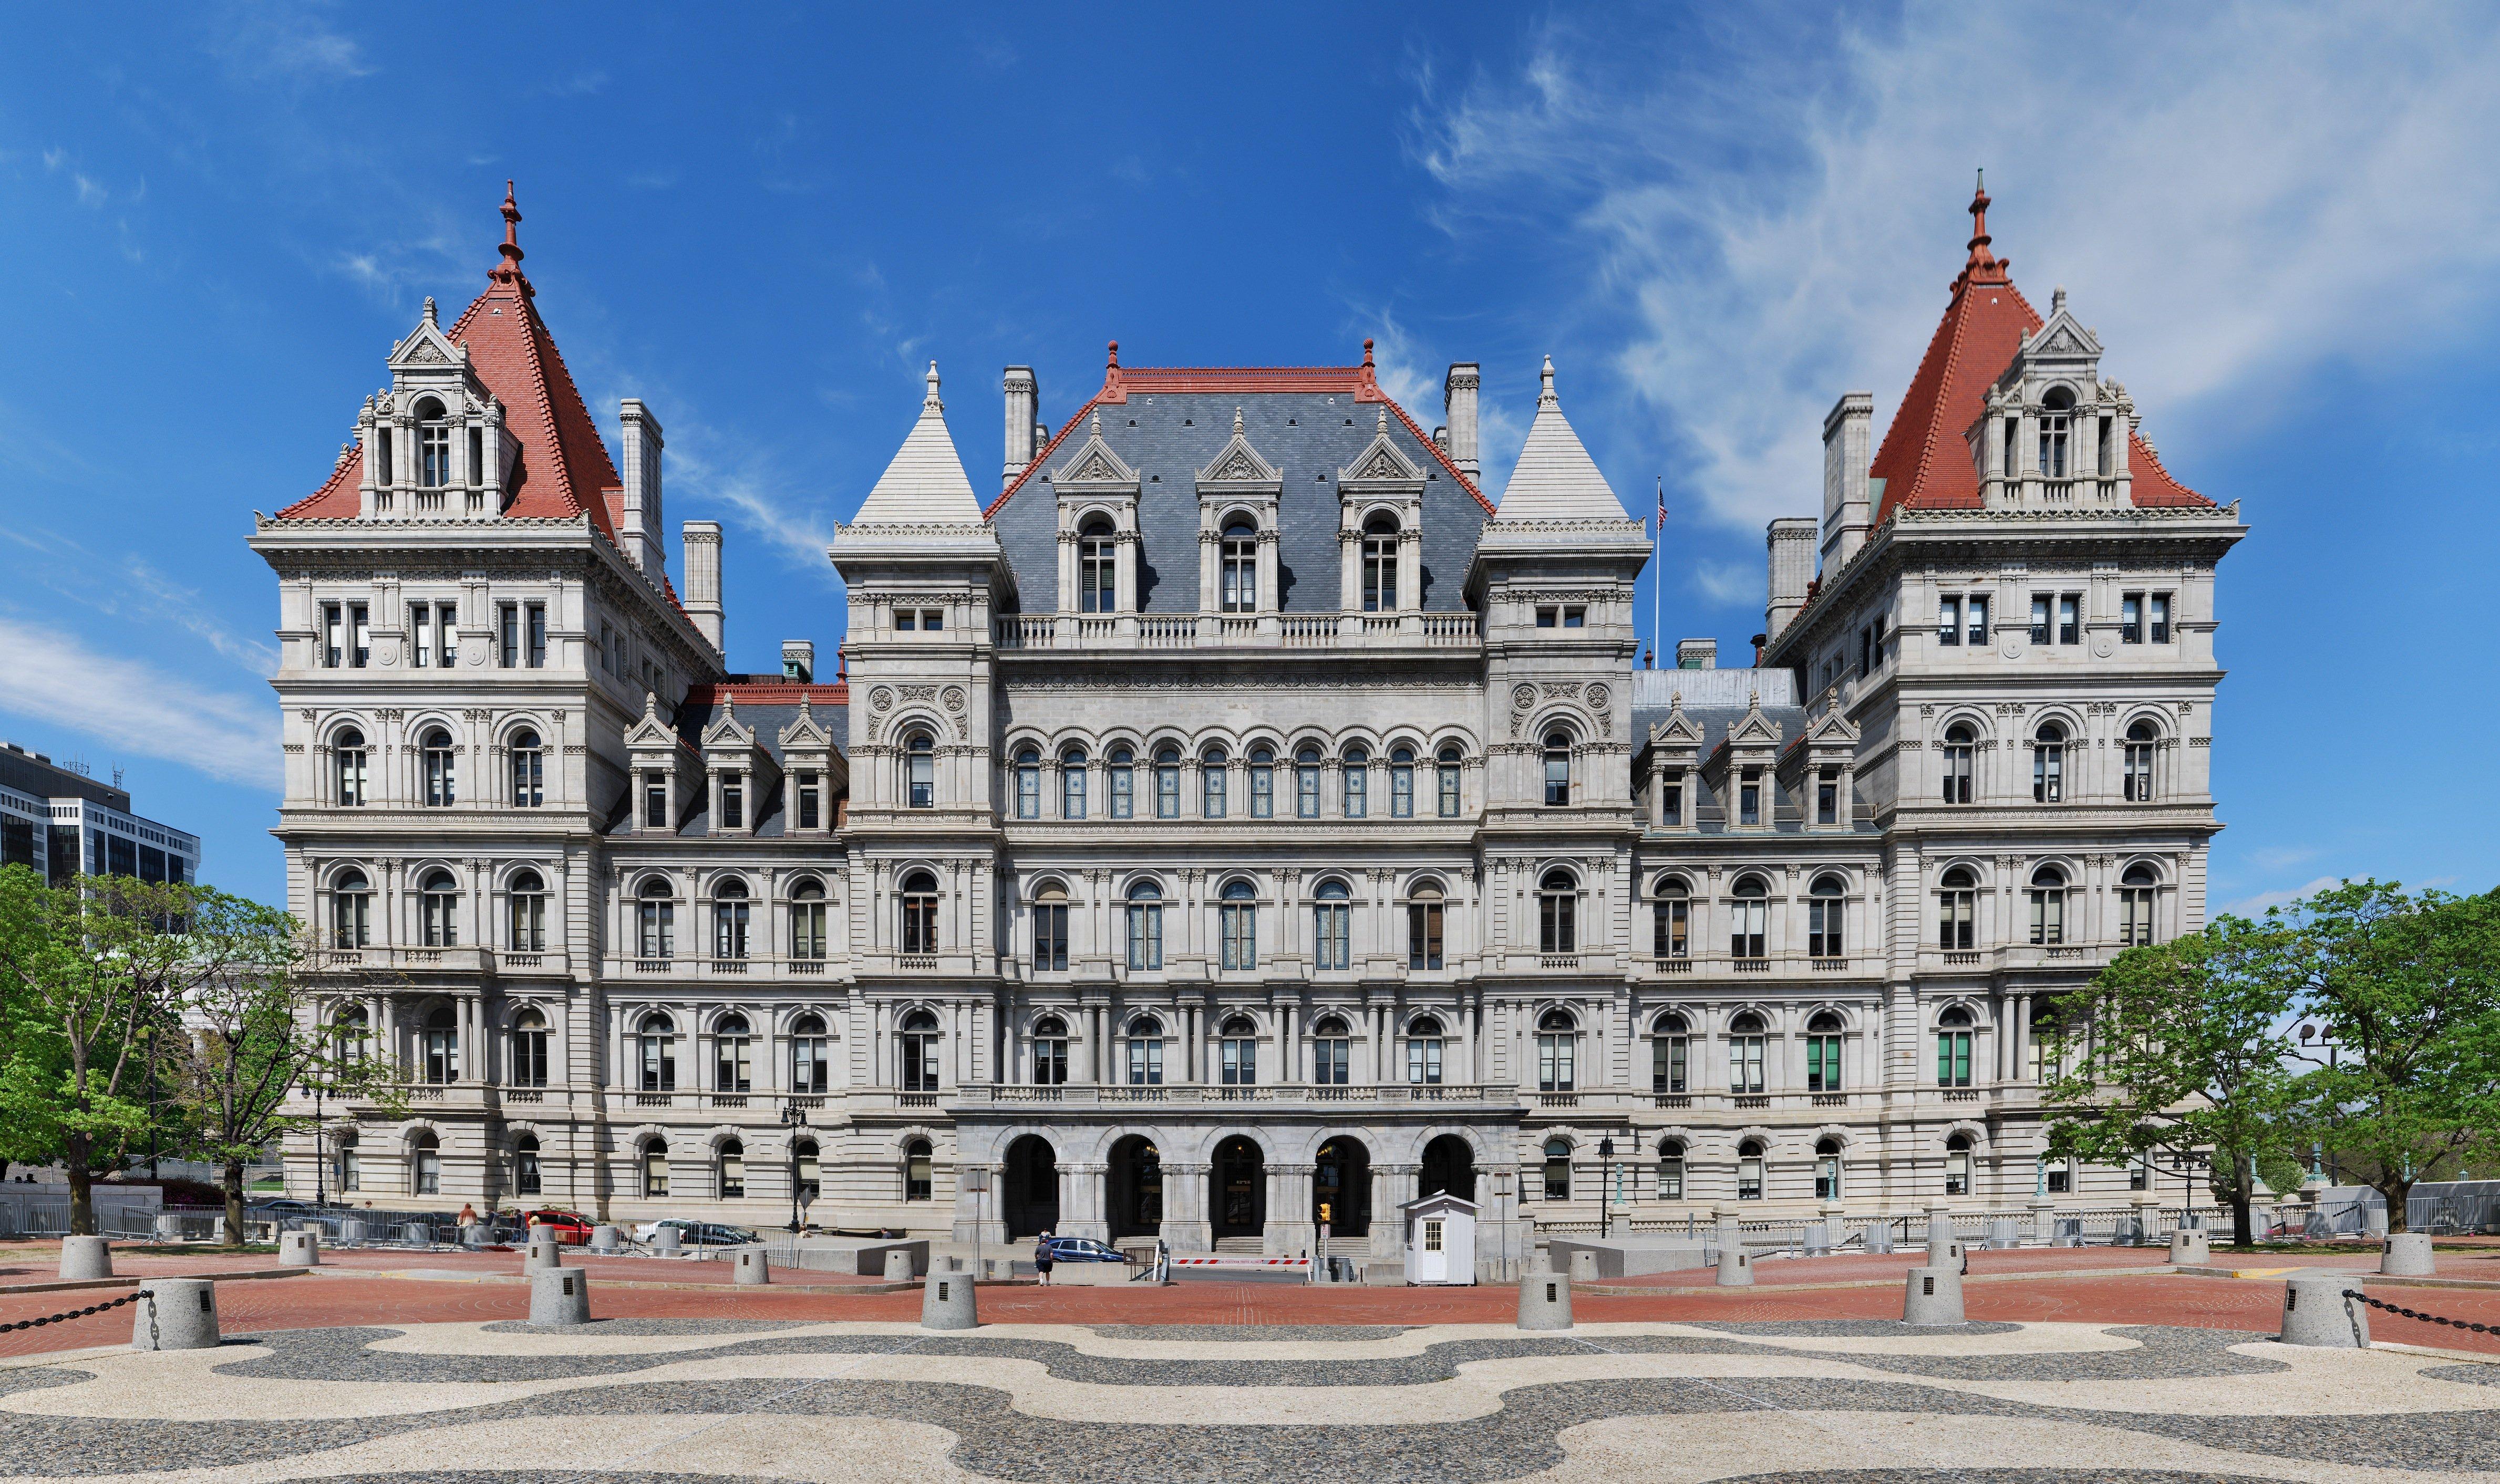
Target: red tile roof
(773, 692)
(1924, 461)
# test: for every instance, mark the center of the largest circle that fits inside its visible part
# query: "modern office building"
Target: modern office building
(58, 820)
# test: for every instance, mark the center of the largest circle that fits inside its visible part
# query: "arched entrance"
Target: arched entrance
(1240, 1180)
(1341, 1187)
(1449, 1165)
(1031, 1200)
(1137, 1176)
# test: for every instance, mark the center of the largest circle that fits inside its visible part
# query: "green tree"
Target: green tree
(2181, 1046)
(2406, 989)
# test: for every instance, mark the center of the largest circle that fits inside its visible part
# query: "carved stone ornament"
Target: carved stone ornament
(954, 698)
(1237, 468)
(1096, 468)
(1523, 696)
(429, 353)
(881, 699)
(1562, 687)
(1599, 698)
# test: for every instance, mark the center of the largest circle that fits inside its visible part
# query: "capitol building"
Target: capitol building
(1235, 816)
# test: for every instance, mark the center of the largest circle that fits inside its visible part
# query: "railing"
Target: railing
(729, 1100)
(1082, 1093)
(1832, 966)
(1449, 628)
(520, 960)
(652, 965)
(915, 1100)
(728, 965)
(524, 1095)
(425, 1094)
(1674, 1100)
(1750, 964)
(1557, 1099)
(655, 1100)
(422, 956)
(805, 1100)
(1557, 961)
(1166, 633)
(1268, 631)
(1829, 1100)
(1961, 1094)
(1301, 632)
(2057, 491)
(1673, 965)
(916, 960)
(1752, 1100)
(1956, 960)
(807, 966)
(2063, 953)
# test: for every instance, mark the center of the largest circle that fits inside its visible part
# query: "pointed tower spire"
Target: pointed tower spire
(508, 270)
(926, 483)
(1554, 478)
(1983, 266)
(1545, 397)
(931, 402)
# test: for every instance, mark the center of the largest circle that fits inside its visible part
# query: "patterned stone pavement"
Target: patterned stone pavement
(1833, 1401)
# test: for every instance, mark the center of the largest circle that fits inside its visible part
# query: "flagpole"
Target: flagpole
(1657, 582)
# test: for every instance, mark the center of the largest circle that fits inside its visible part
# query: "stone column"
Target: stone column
(1186, 1226)
(1291, 1230)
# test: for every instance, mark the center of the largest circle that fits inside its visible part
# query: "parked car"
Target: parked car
(1082, 1249)
(269, 1209)
(571, 1228)
(697, 1234)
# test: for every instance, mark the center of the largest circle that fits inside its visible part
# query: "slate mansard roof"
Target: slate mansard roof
(1309, 422)
(769, 705)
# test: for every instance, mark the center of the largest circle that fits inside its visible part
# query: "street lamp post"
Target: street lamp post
(1503, 1181)
(320, 1164)
(794, 1118)
(2310, 1033)
(1606, 1186)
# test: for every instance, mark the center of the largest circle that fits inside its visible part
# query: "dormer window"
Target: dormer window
(1240, 568)
(1097, 568)
(2057, 414)
(733, 800)
(1380, 564)
(434, 446)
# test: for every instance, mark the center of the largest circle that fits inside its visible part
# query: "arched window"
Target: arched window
(1423, 1052)
(1331, 1052)
(656, 920)
(348, 768)
(809, 1184)
(732, 1174)
(2056, 417)
(1749, 1170)
(1028, 784)
(1124, 783)
(1145, 926)
(1306, 784)
(2048, 764)
(1823, 1053)
(1357, 782)
(1072, 783)
(1827, 1170)
(1958, 1164)
(657, 1041)
(1211, 783)
(1380, 564)
(919, 905)
(1448, 781)
(2047, 906)
(434, 446)
(733, 1059)
(1956, 909)
(1557, 913)
(351, 1032)
(351, 1163)
(1048, 1050)
(1558, 768)
(1050, 930)
(439, 902)
(435, 756)
(2138, 892)
(1238, 922)
(1097, 568)
(425, 1162)
(1240, 562)
(527, 1176)
(1331, 927)
(1424, 921)
(920, 770)
(2141, 743)
(655, 1171)
(351, 911)
(438, 1044)
(916, 1052)
(1558, 1170)
(1672, 920)
(1145, 1052)
(1671, 1170)
(729, 916)
(1956, 749)
(527, 903)
(1670, 1055)
(1749, 918)
(918, 1171)
(1239, 1052)
(1745, 1042)
(1558, 1048)
(1262, 783)
(529, 771)
(810, 1069)
(1167, 782)
(1953, 1047)
(808, 921)
(1402, 783)
(1828, 919)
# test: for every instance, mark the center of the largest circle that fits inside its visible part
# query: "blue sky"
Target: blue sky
(2282, 220)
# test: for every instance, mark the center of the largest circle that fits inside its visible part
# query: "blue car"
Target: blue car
(1080, 1249)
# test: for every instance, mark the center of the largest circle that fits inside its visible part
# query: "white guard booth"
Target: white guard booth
(1440, 1239)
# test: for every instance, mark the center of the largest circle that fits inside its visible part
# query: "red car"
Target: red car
(571, 1228)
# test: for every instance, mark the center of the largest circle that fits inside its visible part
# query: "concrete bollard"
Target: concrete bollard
(299, 1250)
(1944, 1250)
(1818, 1237)
(667, 1242)
(175, 1314)
(2374, 1221)
(1545, 1301)
(2409, 1254)
(897, 1265)
(1735, 1268)
(2003, 1231)
(1933, 1296)
(543, 1253)
(2189, 1249)
(946, 1302)
(169, 1228)
(1879, 1236)
(2315, 1312)
(749, 1267)
(606, 1238)
(419, 1235)
(84, 1259)
(560, 1295)
(351, 1231)
(1584, 1266)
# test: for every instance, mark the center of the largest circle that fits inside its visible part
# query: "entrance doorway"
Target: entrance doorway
(1449, 1165)
(1240, 1178)
(1137, 1188)
(1031, 1201)
(1341, 1188)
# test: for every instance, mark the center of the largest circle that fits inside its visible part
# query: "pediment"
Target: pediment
(726, 730)
(427, 346)
(1238, 467)
(1677, 729)
(1753, 729)
(2064, 338)
(1831, 729)
(806, 733)
(1381, 463)
(1093, 467)
(650, 733)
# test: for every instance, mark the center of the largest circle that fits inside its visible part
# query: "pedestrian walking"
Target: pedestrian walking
(1041, 1259)
(468, 1215)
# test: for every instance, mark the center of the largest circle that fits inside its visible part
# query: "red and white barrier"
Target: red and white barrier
(1241, 1262)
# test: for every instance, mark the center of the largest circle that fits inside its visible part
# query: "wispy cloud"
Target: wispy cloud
(2255, 906)
(1413, 373)
(2232, 193)
(286, 40)
(126, 705)
(1726, 582)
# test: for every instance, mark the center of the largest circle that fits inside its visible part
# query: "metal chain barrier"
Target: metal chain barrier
(76, 1313)
(2400, 1310)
